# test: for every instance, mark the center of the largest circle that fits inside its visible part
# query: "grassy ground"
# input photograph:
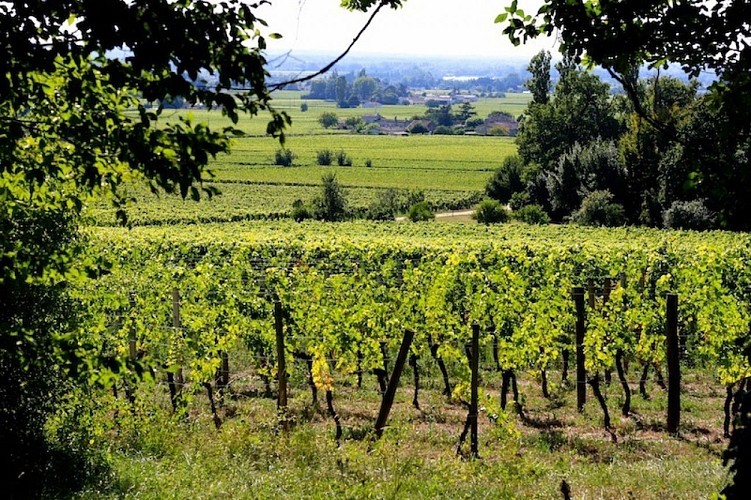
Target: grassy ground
(250, 457)
(433, 152)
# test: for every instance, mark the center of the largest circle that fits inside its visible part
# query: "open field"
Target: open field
(451, 171)
(433, 152)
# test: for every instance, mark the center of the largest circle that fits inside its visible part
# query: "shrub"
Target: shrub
(689, 215)
(598, 209)
(300, 211)
(355, 123)
(490, 212)
(387, 204)
(418, 128)
(532, 214)
(343, 159)
(414, 196)
(331, 205)
(443, 130)
(284, 157)
(519, 200)
(304, 107)
(328, 119)
(507, 180)
(420, 212)
(368, 163)
(474, 122)
(498, 130)
(324, 157)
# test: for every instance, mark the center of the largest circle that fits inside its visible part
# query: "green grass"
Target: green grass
(428, 152)
(452, 171)
(251, 457)
(404, 178)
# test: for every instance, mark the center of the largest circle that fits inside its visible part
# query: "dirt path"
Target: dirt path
(445, 215)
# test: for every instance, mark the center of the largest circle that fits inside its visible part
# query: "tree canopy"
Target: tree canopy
(622, 36)
(679, 146)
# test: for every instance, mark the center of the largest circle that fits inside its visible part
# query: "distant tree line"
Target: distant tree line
(349, 92)
(590, 157)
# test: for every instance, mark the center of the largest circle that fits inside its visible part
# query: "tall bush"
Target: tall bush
(490, 212)
(420, 212)
(506, 180)
(331, 205)
(689, 215)
(284, 157)
(598, 209)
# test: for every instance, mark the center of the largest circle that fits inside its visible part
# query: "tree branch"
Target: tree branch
(280, 86)
(633, 96)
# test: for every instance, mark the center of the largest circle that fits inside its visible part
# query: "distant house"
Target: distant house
(377, 124)
(496, 123)
(371, 104)
(463, 98)
(369, 119)
(425, 124)
(441, 99)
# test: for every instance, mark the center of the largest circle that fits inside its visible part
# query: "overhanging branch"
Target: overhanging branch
(282, 85)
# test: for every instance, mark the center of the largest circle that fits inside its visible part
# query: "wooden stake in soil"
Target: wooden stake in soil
(175, 381)
(607, 287)
(581, 373)
(413, 358)
(475, 367)
(281, 401)
(222, 374)
(388, 397)
(674, 367)
(728, 402)
(132, 355)
(441, 366)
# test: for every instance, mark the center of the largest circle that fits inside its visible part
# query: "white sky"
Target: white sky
(426, 27)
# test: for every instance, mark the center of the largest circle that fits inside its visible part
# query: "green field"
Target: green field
(427, 152)
(451, 171)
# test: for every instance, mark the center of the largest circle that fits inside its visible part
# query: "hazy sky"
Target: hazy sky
(430, 27)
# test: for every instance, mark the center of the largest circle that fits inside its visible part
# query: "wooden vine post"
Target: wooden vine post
(175, 380)
(388, 397)
(281, 401)
(475, 364)
(581, 373)
(132, 353)
(674, 367)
